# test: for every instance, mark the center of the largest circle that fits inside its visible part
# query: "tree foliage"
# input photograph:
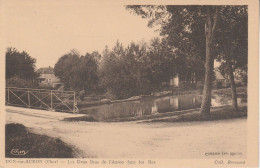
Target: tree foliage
(231, 43)
(21, 83)
(197, 32)
(137, 68)
(117, 71)
(19, 64)
(183, 29)
(78, 72)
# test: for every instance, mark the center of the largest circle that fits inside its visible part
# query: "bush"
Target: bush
(38, 146)
(22, 83)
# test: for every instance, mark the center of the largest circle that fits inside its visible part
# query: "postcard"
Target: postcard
(129, 84)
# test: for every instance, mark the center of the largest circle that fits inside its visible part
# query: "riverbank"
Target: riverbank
(217, 113)
(100, 100)
(21, 143)
(241, 92)
(220, 113)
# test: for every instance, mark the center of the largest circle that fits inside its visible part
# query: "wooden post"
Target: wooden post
(51, 100)
(74, 99)
(29, 102)
(8, 94)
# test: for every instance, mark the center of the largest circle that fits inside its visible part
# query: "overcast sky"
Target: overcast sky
(50, 28)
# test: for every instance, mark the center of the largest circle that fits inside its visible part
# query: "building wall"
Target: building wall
(175, 81)
(50, 79)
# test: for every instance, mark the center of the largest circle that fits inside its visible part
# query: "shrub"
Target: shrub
(22, 83)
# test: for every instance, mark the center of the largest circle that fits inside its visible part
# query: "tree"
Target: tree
(210, 26)
(78, 72)
(194, 32)
(161, 62)
(87, 71)
(136, 69)
(20, 64)
(115, 74)
(65, 69)
(139, 66)
(182, 25)
(231, 43)
(185, 32)
(183, 29)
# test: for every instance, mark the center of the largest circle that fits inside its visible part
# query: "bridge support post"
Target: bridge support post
(8, 96)
(51, 101)
(74, 101)
(29, 101)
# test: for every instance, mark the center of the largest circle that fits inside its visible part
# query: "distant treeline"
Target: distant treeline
(122, 72)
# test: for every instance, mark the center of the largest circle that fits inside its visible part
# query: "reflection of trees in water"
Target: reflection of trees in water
(122, 110)
(176, 103)
(168, 104)
(154, 106)
(220, 100)
(189, 102)
(185, 102)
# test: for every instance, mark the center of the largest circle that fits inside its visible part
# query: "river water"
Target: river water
(151, 106)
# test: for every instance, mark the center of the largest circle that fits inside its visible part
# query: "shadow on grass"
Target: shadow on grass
(19, 143)
(83, 118)
(215, 114)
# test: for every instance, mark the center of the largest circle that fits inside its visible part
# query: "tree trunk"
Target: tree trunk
(209, 65)
(206, 99)
(232, 84)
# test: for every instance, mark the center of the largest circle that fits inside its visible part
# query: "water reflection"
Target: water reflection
(154, 106)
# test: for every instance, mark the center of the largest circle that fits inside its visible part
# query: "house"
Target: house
(177, 81)
(174, 81)
(47, 77)
(220, 80)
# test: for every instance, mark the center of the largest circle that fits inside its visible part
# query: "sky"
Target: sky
(51, 28)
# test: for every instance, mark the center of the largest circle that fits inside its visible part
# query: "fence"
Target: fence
(52, 100)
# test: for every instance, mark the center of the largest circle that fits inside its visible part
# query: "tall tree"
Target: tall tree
(231, 43)
(125, 71)
(182, 25)
(210, 26)
(116, 72)
(161, 62)
(78, 72)
(20, 64)
(66, 67)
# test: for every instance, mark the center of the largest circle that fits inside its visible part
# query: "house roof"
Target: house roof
(48, 70)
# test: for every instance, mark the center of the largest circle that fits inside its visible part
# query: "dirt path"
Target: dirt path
(138, 140)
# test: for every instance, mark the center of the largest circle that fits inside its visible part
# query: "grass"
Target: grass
(220, 113)
(83, 118)
(217, 113)
(241, 92)
(17, 136)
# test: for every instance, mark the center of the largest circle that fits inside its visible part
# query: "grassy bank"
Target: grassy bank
(220, 113)
(241, 92)
(217, 113)
(20, 143)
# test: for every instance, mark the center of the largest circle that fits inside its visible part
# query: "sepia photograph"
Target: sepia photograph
(135, 83)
